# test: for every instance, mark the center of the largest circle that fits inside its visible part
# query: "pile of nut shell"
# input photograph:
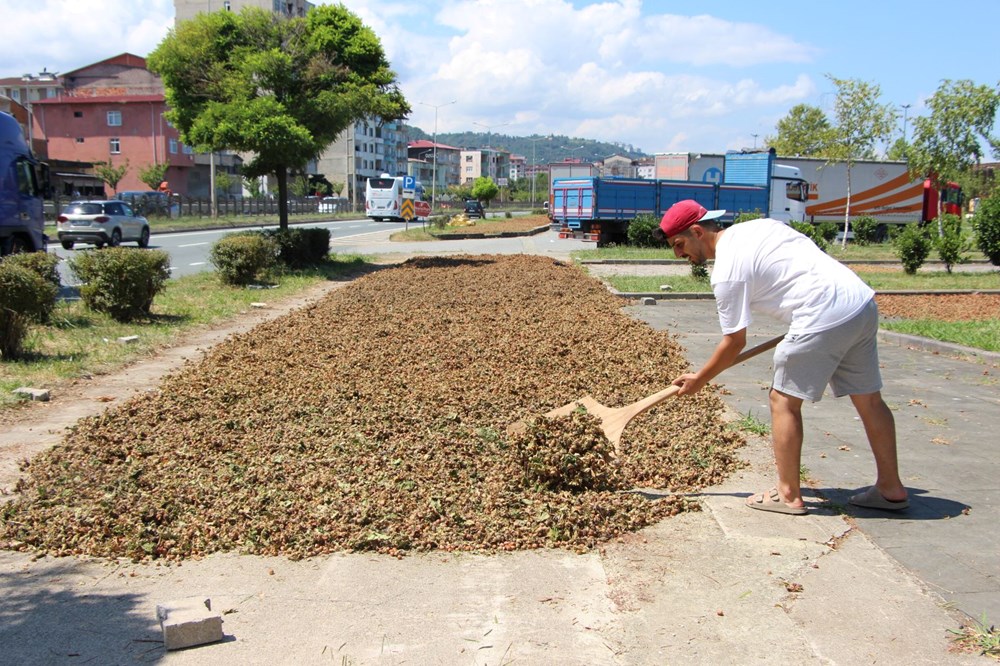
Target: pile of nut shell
(376, 420)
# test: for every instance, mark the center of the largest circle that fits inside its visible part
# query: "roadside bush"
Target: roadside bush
(746, 217)
(987, 227)
(438, 221)
(866, 230)
(240, 258)
(813, 232)
(951, 245)
(298, 248)
(24, 297)
(700, 272)
(24, 291)
(44, 264)
(912, 244)
(827, 231)
(121, 281)
(640, 231)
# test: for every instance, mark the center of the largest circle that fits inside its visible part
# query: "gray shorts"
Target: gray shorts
(845, 357)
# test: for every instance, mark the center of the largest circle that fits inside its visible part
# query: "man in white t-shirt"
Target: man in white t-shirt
(767, 267)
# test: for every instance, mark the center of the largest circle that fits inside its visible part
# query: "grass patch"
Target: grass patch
(750, 423)
(490, 225)
(876, 252)
(977, 333)
(79, 342)
(930, 281)
(979, 636)
(880, 281)
(635, 284)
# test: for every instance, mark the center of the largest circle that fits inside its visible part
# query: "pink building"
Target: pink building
(113, 111)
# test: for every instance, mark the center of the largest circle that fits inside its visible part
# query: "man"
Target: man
(768, 267)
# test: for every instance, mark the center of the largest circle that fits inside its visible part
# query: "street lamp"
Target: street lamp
(489, 128)
(534, 165)
(906, 107)
(434, 163)
(571, 150)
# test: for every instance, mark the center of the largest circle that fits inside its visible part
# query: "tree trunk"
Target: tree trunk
(282, 199)
(847, 208)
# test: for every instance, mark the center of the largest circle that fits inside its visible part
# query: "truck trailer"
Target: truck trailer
(600, 209)
(882, 189)
(22, 220)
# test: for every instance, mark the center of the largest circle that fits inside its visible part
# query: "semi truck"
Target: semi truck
(882, 189)
(22, 221)
(600, 209)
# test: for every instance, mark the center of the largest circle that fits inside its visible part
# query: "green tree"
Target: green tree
(484, 189)
(862, 121)
(152, 175)
(336, 187)
(279, 88)
(805, 131)
(223, 182)
(898, 151)
(948, 143)
(111, 174)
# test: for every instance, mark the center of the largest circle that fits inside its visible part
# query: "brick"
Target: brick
(189, 622)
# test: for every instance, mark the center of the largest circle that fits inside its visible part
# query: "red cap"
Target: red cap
(683, 214)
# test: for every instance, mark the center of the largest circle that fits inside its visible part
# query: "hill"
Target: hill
(554, 149)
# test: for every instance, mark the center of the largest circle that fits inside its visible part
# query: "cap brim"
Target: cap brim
(712, 215)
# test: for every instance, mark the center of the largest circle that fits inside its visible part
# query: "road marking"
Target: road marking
(192, 244)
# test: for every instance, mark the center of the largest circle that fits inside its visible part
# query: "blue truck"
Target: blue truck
(600, 209)
(22, 186)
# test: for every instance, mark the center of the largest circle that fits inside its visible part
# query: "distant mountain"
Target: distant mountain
(554, 149)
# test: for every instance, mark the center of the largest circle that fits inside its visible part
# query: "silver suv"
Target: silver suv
(101, 223)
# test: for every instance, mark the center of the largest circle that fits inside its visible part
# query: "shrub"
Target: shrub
(44, 264)
(951, 245)
(866, 230)
(241, 257)
(700, 272)
(812, 232)
(912, 244)
(121, 281)
(298, 248)
(746, 217)
(439, 221)
(24, 292)
(640, 231)
(24, 296)
(827, 231)
(987, 226)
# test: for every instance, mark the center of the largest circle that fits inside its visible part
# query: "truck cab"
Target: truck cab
(22, 221)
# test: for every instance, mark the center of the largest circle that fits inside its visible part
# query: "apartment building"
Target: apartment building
(187, 9)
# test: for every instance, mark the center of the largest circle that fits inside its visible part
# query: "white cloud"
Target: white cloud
(616, 70)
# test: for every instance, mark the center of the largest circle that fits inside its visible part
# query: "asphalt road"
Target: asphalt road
(189, 250)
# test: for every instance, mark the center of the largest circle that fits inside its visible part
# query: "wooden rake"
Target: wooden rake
(614, 419)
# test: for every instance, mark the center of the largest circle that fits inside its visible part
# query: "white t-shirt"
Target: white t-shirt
(768, 267)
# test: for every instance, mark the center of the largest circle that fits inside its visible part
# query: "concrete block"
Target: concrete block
(259, 306)
(189, 622)
(128, 339)
(37, 395)
(648, 300)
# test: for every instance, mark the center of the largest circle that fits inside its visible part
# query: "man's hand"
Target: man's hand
(689, 383)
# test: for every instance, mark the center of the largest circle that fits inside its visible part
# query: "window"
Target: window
(173, 146)
(79, 139)
(15, 94)
(115, 145)
(114, 118)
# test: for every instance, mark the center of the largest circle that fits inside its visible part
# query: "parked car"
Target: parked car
(333, 204)
(474, 208)
(101, 223)
(148, 202)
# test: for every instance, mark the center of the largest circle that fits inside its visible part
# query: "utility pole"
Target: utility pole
(906, 107)
(434, 163)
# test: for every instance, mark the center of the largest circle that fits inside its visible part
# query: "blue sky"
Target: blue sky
(660, 76)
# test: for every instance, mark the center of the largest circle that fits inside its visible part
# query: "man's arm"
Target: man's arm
(725, 353)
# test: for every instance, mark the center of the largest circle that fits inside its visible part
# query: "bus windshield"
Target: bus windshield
(381, 183)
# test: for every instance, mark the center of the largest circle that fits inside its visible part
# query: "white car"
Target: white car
(101, 223)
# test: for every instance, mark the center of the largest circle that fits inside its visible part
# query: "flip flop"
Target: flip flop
(872, 499)
(770, 500)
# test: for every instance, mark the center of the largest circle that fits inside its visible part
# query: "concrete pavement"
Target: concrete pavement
(727, 585)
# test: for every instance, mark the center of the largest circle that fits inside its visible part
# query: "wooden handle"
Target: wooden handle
(638, 407)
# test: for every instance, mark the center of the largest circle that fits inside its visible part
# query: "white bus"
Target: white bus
(384, 197)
